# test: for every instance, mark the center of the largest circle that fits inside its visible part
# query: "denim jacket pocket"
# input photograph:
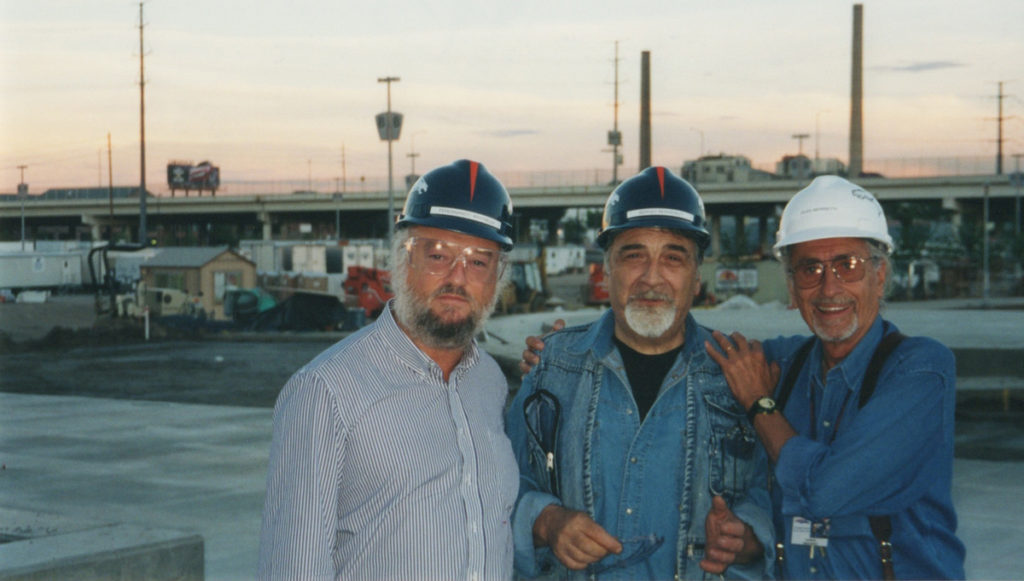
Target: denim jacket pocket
(731, 448)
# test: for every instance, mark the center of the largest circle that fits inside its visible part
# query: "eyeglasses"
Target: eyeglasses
(635, 550)
(438, 257)
(846, 268)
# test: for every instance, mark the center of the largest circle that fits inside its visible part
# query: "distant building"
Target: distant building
(828, 166)
(722, 169)
(795, 167)
(801, 167)
(205, 272)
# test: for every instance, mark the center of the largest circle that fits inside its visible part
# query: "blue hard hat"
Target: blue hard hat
(463, 197)
(655, 198)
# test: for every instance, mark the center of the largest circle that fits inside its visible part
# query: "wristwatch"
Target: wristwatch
(763, 405)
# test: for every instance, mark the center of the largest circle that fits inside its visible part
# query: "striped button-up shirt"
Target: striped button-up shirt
(380, 469)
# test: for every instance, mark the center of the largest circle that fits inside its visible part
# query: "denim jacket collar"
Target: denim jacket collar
(598, 339)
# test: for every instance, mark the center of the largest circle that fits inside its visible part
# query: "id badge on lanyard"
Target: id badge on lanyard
(813, 534)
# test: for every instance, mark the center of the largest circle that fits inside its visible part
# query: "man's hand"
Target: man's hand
(729, 540)
(534, 345)
(745, 367)
(573, 536)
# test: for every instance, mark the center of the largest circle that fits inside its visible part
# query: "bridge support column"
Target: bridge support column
(716, 236)
(741, 235)
(766, 237)
(957, 207)
(268, 229)
(94, 226)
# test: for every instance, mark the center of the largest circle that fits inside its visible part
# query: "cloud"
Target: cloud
(921, 67)
(505, 133)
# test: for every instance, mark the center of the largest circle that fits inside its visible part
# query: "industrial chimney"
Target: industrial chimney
(645, 110)
(857, 95)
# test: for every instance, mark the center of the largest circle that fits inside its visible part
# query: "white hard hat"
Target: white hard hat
(831, 207)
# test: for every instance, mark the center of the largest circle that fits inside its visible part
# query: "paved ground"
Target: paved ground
(175, 433)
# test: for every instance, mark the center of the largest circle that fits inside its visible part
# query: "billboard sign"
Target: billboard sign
(185, 176)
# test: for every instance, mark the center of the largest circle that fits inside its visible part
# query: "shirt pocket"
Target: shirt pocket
(731, 448)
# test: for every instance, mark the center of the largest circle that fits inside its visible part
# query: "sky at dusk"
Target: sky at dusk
(274, 91)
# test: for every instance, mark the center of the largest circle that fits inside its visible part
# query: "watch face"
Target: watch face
(766, 403)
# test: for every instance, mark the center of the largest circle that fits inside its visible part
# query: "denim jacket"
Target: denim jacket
(579, 442)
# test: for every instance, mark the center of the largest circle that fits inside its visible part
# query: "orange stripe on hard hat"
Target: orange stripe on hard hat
(472, 178)
(661, 180)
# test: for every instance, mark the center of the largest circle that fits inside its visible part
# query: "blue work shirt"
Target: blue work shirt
(893, 457)
(640, 480)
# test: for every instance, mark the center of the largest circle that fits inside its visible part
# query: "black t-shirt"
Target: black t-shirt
(645, 373)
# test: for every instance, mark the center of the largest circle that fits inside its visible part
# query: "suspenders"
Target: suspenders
(881, 526)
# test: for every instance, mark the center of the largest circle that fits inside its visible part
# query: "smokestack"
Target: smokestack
(645, 110)
(857, 95)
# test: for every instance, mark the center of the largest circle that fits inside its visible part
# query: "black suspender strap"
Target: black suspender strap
(881, 526)
(882, 352)
(786, 387)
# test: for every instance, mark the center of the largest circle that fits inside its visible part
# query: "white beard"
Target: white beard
(839, 337)
(650, 322)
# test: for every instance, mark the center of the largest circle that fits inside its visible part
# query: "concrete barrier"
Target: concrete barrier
(116, 551)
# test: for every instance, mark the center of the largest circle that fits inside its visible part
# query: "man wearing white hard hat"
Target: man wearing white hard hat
(858, 419)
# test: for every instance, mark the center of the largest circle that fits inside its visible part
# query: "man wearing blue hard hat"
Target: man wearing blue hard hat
(636, 461)
(389, 458)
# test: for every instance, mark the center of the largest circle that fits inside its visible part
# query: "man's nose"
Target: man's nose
(458, 270)
(652, 273)
(831, 284)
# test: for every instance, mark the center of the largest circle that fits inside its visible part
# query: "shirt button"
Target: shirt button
(629, 511)
(826, 423)
(633, 460)
(629, 412)
(814, 569)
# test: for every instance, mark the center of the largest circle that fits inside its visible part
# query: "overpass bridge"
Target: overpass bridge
(364, 214)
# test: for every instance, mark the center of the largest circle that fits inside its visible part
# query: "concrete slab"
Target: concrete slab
(201, 468)
(193, 468)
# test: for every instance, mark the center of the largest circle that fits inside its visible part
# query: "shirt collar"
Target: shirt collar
(396, 341)
(853, 367)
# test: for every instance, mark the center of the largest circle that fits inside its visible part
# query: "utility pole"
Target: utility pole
(800, 137)
(817, 136)
(1016, 181)
(22, 193)
(142, 131)
(110, 190)
(615, 136)
(412, 155)
(344, 182)
(999, 132)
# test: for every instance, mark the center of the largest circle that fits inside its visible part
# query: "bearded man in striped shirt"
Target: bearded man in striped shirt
(389, 458)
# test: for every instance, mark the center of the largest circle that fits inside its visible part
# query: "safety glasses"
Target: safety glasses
(438, 257)
(846, 268)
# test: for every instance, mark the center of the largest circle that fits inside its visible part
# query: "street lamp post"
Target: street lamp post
(390, 133)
